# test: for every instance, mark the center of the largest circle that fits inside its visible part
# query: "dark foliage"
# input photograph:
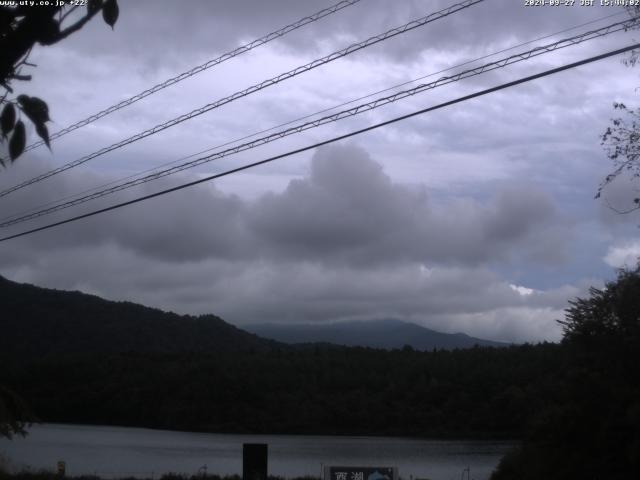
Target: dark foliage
(14, 412)
(480, 392)
(592, 428)
(45, 475)
(78, 358)
(620, 140)
(621, 143)
(576, 404)
(38, 322)
(21, 28)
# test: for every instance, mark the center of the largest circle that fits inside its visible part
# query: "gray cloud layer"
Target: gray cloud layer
(438, 219)
(343, 242)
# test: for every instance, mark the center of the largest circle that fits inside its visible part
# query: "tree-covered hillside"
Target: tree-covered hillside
(591, 427)
(576, 405)
(78, 358)
(38, 322)
(479, 392)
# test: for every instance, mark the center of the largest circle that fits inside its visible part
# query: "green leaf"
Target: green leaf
(110, 12)
(17, 142)
(8, 119)
(43, 133)
(35, 108)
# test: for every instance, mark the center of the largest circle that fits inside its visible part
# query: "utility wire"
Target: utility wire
(331, 140)
(200, 68)
(311, 115)
(255, 88)
(333, 118)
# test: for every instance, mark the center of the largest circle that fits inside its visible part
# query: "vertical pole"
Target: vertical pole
(254, 461)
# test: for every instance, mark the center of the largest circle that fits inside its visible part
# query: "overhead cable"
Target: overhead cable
(567, 42)
(198, 69)
(326, 142)
(255, 88)
(305, 117)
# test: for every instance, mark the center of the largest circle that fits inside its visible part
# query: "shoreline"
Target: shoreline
(50, 475)
(381, 436)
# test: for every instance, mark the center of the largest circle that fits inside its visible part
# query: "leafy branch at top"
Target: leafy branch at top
(621, 142)
(22, 27)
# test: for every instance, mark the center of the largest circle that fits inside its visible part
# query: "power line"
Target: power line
(255, 88)
(334, 117)
(200, 68)
(331, 140)
(289, 122)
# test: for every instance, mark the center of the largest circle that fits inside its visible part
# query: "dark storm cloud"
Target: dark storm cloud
(415, 226)
(475, 301)
(216, 27)
(347, 211)
(343, 242)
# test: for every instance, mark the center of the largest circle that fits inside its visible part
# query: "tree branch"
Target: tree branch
(76, 26)
(67, 13)
(620, 212)
(25, 78)
(15, 46)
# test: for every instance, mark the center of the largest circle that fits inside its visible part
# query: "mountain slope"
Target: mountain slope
(388, 334)
(38, 321)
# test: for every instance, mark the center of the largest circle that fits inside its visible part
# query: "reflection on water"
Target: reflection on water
(117, 451)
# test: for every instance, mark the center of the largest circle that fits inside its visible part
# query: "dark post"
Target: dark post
(62, 468)
(254, 461)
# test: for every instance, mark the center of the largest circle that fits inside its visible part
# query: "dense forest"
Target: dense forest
(475, 392)
(37, 322)
(575, 405)
(591, 427)
(79, 358)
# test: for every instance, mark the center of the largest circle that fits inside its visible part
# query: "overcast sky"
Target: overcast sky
(477, 218)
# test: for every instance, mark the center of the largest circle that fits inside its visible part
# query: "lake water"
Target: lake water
(113, 452)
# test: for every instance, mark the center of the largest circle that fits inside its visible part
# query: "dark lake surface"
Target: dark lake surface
(113, 452)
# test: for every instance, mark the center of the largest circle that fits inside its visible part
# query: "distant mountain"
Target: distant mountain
(38, 321)
(387, 334)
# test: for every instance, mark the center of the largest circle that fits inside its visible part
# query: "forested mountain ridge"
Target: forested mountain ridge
(40, 321)
(78, 358)
(470, 393)
(575, 404)
(387, 334)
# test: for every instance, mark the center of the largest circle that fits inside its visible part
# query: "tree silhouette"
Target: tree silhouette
(610, 313)
(591, 428)
(620, 140)
(21, 28)
(15, 414)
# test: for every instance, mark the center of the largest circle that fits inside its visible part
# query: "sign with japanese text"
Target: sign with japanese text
(360, 473)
